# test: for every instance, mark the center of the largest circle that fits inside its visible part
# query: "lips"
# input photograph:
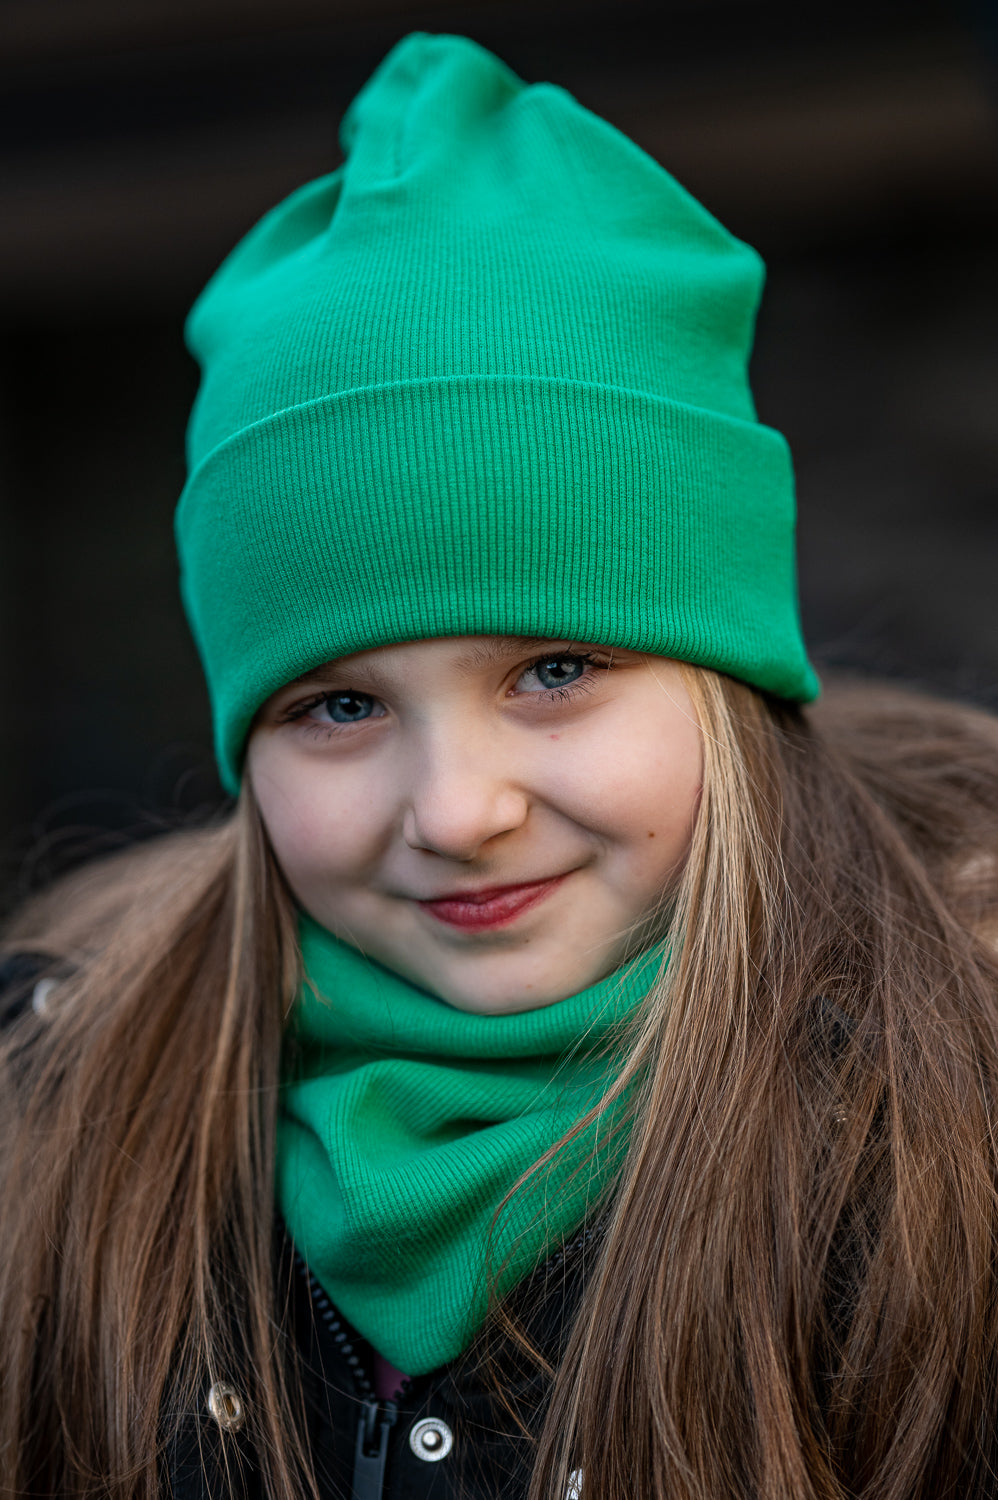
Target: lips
(496, 906)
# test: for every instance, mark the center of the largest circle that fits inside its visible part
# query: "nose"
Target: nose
(459, 799)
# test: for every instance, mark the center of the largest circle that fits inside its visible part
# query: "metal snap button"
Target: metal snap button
(40, 996)
(226, 1406)
(431, 1440)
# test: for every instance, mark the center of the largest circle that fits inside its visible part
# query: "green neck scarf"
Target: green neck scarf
(404, 1122)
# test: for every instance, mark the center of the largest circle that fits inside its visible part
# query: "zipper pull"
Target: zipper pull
(376, 1420)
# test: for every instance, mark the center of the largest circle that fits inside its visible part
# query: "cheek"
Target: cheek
(319, 827)
(652, 798)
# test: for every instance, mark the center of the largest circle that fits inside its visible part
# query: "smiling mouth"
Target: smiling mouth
(497, 906)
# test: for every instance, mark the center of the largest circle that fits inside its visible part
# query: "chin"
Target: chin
(506, 996)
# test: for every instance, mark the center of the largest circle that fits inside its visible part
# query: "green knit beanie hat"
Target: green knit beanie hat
(488, 377)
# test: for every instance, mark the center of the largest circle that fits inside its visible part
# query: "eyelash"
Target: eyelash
(568, 690)
(297, 711)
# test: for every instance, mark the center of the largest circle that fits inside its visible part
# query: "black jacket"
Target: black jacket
(445, 1436)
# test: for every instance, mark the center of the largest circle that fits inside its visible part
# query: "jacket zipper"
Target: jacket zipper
(376, 1418)
(327, 1312)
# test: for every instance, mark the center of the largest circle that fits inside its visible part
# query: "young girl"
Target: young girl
(570, 1069)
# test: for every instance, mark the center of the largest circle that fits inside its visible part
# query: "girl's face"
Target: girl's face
(496, 818)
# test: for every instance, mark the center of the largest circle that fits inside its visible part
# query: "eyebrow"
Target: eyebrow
(485, 653)
(496, 648)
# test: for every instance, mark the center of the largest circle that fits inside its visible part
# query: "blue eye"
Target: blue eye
(554, 672)
(349, 708)
(559, 671)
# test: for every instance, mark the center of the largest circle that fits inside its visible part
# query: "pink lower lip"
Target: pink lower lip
(490, 908)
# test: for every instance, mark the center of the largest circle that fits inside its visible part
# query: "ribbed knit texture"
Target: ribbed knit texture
(487, 377)
(404, 1123)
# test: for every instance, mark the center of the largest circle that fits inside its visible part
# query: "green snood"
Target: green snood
(404, 1123)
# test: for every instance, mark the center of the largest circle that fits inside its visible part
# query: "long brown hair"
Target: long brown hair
(138, 1205)
(796, 1293)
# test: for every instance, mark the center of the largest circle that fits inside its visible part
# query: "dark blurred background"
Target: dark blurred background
(854, 145)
